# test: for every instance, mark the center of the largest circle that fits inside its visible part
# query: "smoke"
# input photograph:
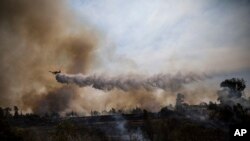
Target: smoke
(125, 133)
(231, 97)
(128, 83)
(42, 35)
(233, 92)
(129, 91)
(35, 37)
(51, 102)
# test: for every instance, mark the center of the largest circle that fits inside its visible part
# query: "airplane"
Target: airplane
(55, 72)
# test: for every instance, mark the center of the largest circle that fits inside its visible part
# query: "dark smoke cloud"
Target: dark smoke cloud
(51, 102)
(37, 36)
(128, 83)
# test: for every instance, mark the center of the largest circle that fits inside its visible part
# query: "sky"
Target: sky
(167, 36)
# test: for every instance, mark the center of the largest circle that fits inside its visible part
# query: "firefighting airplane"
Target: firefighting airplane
(55, 72)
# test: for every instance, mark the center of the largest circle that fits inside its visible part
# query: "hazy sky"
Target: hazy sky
(168, 36)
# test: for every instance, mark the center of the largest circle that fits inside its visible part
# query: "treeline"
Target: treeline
(6, 112)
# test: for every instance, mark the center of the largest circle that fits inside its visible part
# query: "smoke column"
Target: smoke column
(37, 36)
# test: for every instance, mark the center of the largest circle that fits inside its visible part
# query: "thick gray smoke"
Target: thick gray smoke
(231, 98)
(233, 93)
(127, 83)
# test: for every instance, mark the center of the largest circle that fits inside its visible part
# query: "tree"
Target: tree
(179, 102)
(1, 112)
(7, 112)
(179, 99)
(16, 111)
(112, 111)
(95, 113)
(234, 84)
(71, 114)
(137, 111)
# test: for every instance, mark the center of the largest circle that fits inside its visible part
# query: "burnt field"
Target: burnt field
(145, 126)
